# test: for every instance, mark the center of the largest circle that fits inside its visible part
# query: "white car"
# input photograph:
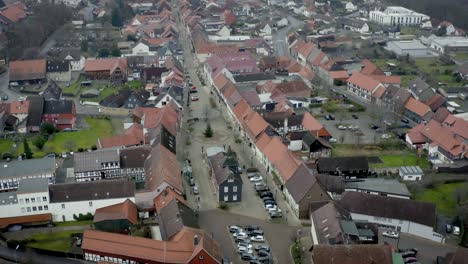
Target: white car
(332, 140)
(391, 234)
(256, 179)
(235, 229)
(244, 250)
(257, 238)
(243, 244)
(240, 235)
(353, 127)
(386, 136)
(274, 211)
(341, 127)
(270, 206)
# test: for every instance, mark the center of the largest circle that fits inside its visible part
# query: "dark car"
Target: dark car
(408, 254)
(448, 228)
(332, 117)
(255, 233)
(5, 97)
(251, 227)
(261, 189)
(404, 120)
(241, 239)
(262, 253)
(276, 215)
(355, 116)
(266, 194)
(263, 247)
(267, 198)
(272, 202)
(247, 256)
(375, 127)
(415, 250)
(265, 259)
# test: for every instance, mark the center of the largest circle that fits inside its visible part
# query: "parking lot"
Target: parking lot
(250, 244)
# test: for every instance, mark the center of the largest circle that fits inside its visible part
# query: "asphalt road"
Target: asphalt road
(279, 37)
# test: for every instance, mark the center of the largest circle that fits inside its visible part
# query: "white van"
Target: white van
(456, 230)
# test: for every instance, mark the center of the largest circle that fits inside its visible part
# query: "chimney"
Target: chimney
(285, 125)
(195, 240)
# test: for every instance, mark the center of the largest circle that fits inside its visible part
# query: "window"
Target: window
(234, 197)
(28, 209)
(34, 208)
(90, 203)
(38, 199)
(63, 206)
(226, 198)
(26, 200)
(33, 200)
(226, 188)
(40, 208)
(21, 201)
(46, 207)
(234, 188)
(23, 209)
(44, 198)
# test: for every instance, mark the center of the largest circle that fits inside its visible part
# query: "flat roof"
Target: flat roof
(411, 170)
(408, 44)
(451, 41)
(21, 168)
(33, 185)
(379, 185)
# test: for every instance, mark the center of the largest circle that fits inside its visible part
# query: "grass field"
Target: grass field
(5, 145)
(442, 196)
(59, 241)
(461, 56)
(404, 159)
(71, 141)
(74, 87)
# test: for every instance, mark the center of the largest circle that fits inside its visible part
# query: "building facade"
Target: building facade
(397, 15)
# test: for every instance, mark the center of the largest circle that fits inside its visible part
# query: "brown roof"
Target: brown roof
(14, 12)
(27, 219)
(390, 207)
(387, 79)
(364, 81)
(294, 88)
(168, 117)
(281, 158)
(105, 65)
(352, 254)
(27, 70)
(162, 166)
(180, 249)
(96, 190)
(255, 125)
(369, 68)
(167, 196)
(133, 136)
(300, 182)
(220, 81)
(338, 75)
(126, 210)
(134, 157)
(19, 107)
(458, 257)
(417, 107)
(310, 123)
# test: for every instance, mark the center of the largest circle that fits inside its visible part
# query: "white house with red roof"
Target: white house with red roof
(365, 86)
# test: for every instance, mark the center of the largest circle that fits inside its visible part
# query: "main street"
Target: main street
(279, 37)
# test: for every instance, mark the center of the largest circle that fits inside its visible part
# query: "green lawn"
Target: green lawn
(442, 196)
(74, 87)
(74, 223)
(5, 145)
(59, 241)
(461, 56)
(71, 141)
(405, 159)
(409, 31)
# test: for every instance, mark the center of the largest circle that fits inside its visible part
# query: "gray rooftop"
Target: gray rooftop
(408, 44)
(23, 168)
(410, 170)
(33, 185)
(379, 185)
(349, 227)
(91, 161)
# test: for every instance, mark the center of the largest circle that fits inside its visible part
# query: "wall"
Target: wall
(12, 183)
(82, 207)
(16, 209)
(406, 226)
(115, 111)
(295, 145)
(60, 76)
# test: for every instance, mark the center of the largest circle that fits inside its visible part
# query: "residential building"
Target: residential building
(52, 92)
(59, 71)
(355, 25)
(404, 215)
(353, 254)
(13, 172)
(416, 111)
(412, 48)
(97, 165)
(27, 71)
(114, 69)
(397, 16)
(357, 166)
(36, 108)
(173, 214)
(137, 98)
(132, 162)
(383, 187)
(60, 113)
(225, 176)
(365, 86)
(189, 246)
(74, 57)
(303, 191)
(116, 218)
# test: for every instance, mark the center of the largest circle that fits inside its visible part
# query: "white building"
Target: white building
(410, 173)
(63, 201)
(11, 173)
(350, 7)
(397, 15)
(403, 215)
(445, 45)
(413, 48)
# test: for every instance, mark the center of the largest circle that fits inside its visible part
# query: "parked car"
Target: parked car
(242, 239)
(353, 127)
(262, 189)
(404, 120)
(332, 140)
(415, 250)
(254, 261)
(276, 215)
(374, 127)
(244, 250)
(262, 247)
(386, 136)
(270, 206)
(448, 228)
(240, 234)
(407, 254)
(259, 183)
(332, 117)
(247, 256)
(266, 194)
(391, 234)
(51, 155)
(355, 116)
(262, 253)
(256, 179)
(410, 260)
(193, 91)
(195, 189)
(265, 260)
(251, 227)
(388, 123)
(341, 127)
(456, 230)
(235, 229)
(266, 202)
(274, 210)
(5, 97)
(194, 98)
(268, 198)
(256, 233)
(257, 238)
(192, 182)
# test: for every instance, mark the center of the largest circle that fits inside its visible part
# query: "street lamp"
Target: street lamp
(16, 249)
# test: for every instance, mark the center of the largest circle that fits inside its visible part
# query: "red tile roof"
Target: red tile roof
(27, 70)
(387, 79)
(369, 68)
(417, 107)
(339, 75)
(307, 73)
(27, 219)
(19, 107)
(281, 158)
(14, 12)
(180, 249)
(310, 123)
(105, 65)
(132, 136)
(126, 210)
(306, 49)
(162, 166)
(255, 125)
(165, 198)
(365, 82)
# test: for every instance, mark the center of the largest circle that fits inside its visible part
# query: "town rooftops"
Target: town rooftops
(352, 254)
(300, 182)
(58, 66)
(174, 216)
(379, 185)
(105, 65)
(254, 77)
(19, 107)
(162, 166)
(181, 249)
(88, 191)
(417, 107)
(92, 161)
(390, 207)
(134, 157)
(327, 226)
(25, 168)
(365, 82)
(27, 70)
(125, 210)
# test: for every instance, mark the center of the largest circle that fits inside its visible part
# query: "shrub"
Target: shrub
(48, 128)
(252, 170)
(82, 217)
(238, 141)
(223, 206)
(208, 131)
(7, 156)
(93, 147)
(27, 150)
(80, 149)
(39, 141)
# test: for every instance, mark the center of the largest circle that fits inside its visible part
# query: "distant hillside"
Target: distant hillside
(455, 11)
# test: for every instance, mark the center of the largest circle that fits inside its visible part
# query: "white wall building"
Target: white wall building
(410, 173)
(397, 15)
(449, 44)
(63, 201)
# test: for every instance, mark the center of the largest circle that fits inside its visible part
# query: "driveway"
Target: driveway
(280, 237)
